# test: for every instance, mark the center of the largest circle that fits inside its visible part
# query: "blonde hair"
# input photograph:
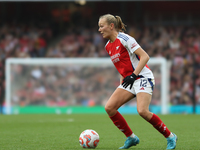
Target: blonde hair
(116, 20)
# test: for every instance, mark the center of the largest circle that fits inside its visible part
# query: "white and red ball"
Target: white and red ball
(89, 139)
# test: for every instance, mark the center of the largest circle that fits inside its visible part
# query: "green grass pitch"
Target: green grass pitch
(61, 132)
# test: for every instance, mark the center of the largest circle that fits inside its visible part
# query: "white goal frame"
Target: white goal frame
(164, 67)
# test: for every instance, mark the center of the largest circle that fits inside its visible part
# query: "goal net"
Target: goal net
(73, 85)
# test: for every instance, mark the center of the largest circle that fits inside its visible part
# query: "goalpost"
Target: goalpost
(31, 81)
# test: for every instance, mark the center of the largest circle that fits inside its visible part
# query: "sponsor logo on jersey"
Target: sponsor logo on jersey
(115, 58)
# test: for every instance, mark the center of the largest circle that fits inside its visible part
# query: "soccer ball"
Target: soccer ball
(89, 139)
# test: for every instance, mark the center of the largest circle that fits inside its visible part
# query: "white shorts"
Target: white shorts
(141, 85)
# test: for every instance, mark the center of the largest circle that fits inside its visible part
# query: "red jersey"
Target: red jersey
(122, 54)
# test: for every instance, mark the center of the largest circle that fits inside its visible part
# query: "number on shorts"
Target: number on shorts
(143, 83)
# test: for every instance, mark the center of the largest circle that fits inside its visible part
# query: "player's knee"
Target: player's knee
(142, 112)
(110, 110)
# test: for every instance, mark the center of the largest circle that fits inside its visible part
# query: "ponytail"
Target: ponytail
(116, 20)
(120, 25)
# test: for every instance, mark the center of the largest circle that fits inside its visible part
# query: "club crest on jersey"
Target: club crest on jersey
(109, 52)
(117, 47)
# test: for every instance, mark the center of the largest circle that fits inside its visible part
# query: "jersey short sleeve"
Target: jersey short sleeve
(132, 44)
(128, 41)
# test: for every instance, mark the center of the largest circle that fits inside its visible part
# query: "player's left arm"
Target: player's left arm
(134, 47)
(144, 58)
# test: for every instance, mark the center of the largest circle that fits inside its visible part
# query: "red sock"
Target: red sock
(121, 123)
(159, 125)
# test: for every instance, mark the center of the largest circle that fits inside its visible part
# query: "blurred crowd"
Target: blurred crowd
(178, 44)
(63, 85)
(68, 84)
(24, 40)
